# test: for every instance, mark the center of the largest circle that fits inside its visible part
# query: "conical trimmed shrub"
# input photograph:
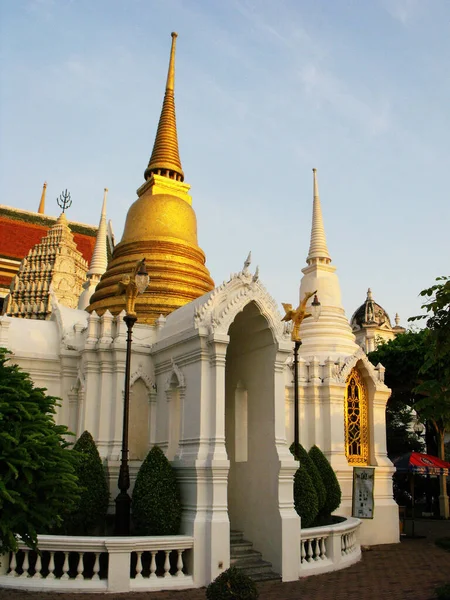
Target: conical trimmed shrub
(232, 584)
(305, 460)
(89, 515)
(305, 497)
(329, 479)
(155, 503)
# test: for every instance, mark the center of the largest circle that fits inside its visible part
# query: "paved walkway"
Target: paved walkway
(406, 571)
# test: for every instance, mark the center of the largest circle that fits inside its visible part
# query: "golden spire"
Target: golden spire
(165, 158)
(161, 227)
(41, 208)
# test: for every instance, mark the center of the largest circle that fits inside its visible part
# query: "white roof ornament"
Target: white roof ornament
(99, 261)
(318, 246)
(248, 262)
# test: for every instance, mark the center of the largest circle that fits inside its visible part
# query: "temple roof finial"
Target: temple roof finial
(318, 246)
(41, 209)
(165, 158)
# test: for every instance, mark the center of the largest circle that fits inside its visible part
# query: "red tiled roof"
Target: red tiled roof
(18, 237)
(5, 281)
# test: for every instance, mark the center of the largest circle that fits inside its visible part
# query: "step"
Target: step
(241, 547)
(249, 561)
(268, 576)
(253, 567)
(236, 536)
(250, 556)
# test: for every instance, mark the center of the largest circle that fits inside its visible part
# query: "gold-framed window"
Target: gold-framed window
(356, 420)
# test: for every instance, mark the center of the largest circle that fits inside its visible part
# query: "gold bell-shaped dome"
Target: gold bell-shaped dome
(162, 227)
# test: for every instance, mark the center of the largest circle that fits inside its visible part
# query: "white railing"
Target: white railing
(329, 548)
(110, 564)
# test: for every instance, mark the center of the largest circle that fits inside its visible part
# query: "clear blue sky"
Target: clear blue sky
(265, 90)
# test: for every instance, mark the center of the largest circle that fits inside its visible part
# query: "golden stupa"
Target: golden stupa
(160, 226)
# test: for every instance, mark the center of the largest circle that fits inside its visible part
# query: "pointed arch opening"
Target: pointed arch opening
(356, 419)
(249, 426)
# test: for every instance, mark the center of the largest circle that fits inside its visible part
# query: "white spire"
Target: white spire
(331, 335)
(318, 245)
(99, 261)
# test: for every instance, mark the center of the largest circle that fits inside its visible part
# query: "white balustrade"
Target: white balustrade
(99, 564)
(324, 549)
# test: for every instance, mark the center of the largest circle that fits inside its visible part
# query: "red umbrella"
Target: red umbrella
(425, 464)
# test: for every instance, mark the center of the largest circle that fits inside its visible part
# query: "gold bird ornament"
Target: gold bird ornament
(297, 315)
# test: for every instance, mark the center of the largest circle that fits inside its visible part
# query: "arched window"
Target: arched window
(356, 426)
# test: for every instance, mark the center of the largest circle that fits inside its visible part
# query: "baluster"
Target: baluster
(38, 567)
(13, 565)
(302, 551)
(96, 568)
(80, 566)
(26, 563)
(139, 565)
(167, 564)
(317, 549)
(51, 566)
(323, 549)
(309, 551)
(153, 564)
(65, 567)
(179, 572)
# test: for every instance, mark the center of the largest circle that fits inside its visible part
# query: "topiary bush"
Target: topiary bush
(305, 497)
(329, 479)
(156, 503)
(232, 584)
(88, 517)
(305, 460)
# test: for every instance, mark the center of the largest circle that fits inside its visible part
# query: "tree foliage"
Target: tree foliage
(88, 515)
(301, 455)
(156, 503)
(37, 474)
(329, 479)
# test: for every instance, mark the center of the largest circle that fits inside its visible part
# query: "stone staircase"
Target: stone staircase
(243, 557)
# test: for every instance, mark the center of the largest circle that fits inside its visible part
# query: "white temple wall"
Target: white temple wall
(195, 369)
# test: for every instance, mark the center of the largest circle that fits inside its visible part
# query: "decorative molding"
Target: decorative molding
(231, 297)
(345, 369)
(177, 373)
(140, 374)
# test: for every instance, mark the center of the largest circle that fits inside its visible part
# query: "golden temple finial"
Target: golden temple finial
(165, 158)
(41, 209)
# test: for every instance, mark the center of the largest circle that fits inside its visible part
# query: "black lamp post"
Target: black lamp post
(132, 286)
(297, 316)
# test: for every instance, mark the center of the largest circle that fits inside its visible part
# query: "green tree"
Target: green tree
(402, 358)
(156, 503)
(301, 455)
(37, 475)
(305, 497)
(329, 479)
(90, 511)
(434, 387)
